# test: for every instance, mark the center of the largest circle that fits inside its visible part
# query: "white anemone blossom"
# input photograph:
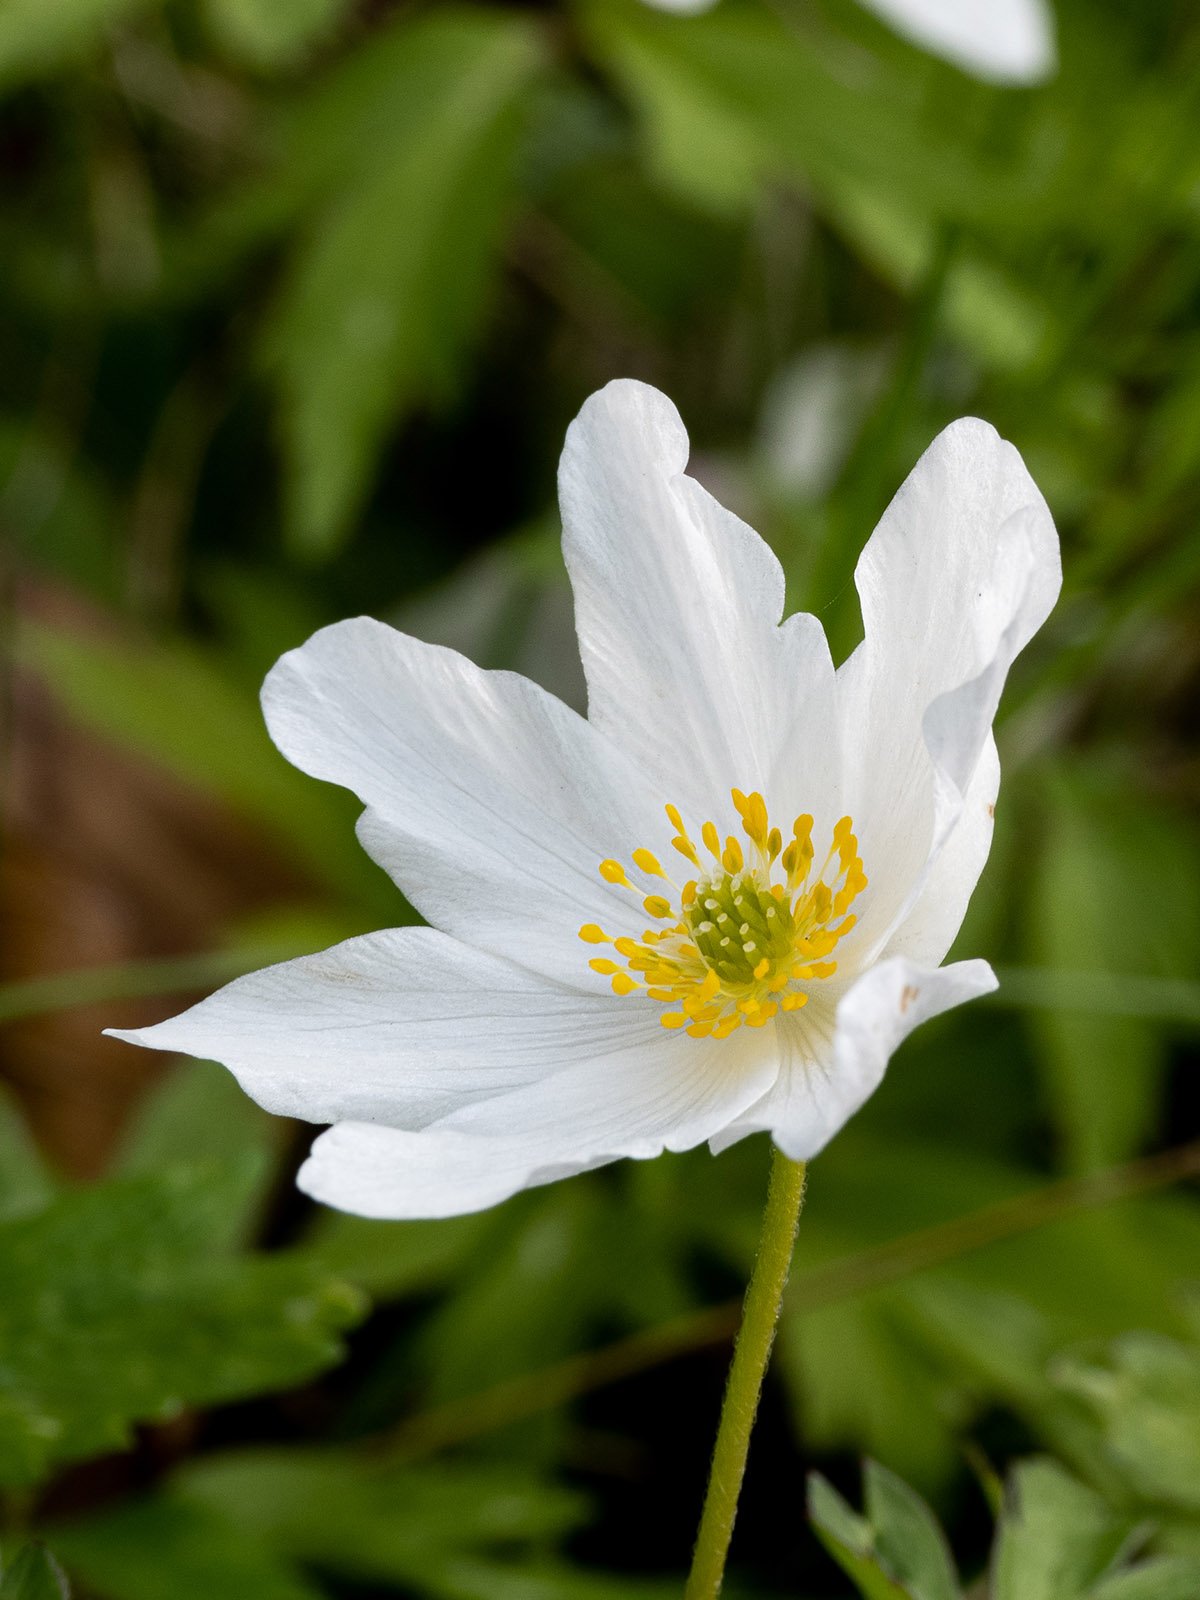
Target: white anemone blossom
(1003, 41)
(713, 907)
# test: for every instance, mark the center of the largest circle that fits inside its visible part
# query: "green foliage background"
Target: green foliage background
(297, 302)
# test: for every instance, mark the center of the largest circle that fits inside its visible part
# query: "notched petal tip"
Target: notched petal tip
(625, 420)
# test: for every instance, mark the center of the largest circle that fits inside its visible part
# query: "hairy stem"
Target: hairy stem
(760, 1315)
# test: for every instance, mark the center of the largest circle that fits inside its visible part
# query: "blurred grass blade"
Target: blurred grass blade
(1167, 1000)
(131, 980)
(1088, 909)
(839, 1280)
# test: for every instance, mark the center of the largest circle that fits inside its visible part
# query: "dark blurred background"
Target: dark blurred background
(298, 300)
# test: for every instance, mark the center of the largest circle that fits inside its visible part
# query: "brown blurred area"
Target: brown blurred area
(105, 860)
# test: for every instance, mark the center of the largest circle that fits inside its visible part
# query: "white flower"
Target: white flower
(1003, 41)
(659, 925)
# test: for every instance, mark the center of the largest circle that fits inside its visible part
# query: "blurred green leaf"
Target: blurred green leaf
(338, 1512)
(264, 34)
(34, 1575)
(536, 1281)
(1057, 1539)
(383, 299)
(747, 92)
(198, 1112)
(392, 1259)
(122, 1305)
(174, 704)
(151, 1549)
(36, 38)
(473, 1579)
(1167, 1579)
(996, 318)
(1089, 910)
(25, 1184)
(896, 1550)
(899, 1369)
(1145, 1394)
(57, 504)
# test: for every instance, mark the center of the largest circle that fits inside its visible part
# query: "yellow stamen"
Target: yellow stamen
(735, 946)
(648, 862)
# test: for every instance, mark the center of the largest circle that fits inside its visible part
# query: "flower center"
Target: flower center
(737, 942)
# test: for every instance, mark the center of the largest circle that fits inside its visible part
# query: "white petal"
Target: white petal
(826, 1076)
(961, 572)
(1005, 41)
(932, 921)
(489, 802)
(678, 604)
(668, 1093)
(401, 1027)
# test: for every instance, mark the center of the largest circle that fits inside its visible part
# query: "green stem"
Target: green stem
(760, 1315)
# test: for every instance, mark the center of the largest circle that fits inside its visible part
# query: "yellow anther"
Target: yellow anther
(604, 966)
(655, 905)
(712, 839)
(614, 872)
(686, 848)
(591, 934)
(793, 1002)
(623, 984)
(753, 811)
(648, 862)
(675, 818)
(774, 843)
(673, 1019)
(763, 967)
(731, 857)
(689, 893)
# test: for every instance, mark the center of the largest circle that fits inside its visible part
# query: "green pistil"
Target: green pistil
(731, 904)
